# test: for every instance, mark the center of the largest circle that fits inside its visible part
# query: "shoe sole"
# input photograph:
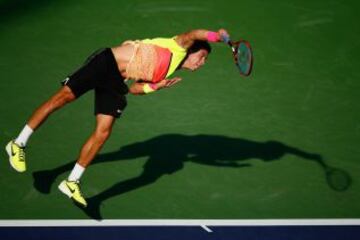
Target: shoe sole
(8, 150)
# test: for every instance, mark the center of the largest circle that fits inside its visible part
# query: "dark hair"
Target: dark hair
(198, 45)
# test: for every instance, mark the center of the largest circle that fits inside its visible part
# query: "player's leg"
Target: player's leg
(16, 148)
(102, 132)
(92, 146)
(78, 83)
(110, 102)
(62, 97)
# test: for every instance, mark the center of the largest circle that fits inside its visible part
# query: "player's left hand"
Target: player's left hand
(169, 82)
(173, 81)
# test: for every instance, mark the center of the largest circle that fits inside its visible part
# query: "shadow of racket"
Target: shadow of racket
(337, 179)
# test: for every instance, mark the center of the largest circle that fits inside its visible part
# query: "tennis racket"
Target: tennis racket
(242, 54)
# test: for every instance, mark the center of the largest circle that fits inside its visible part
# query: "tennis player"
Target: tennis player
(148, 63)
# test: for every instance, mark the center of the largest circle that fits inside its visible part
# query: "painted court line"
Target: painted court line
(206, 228)
(205, 223)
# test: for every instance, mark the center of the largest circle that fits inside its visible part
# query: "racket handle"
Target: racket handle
(225, 38)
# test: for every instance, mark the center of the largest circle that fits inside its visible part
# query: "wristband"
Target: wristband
(149, 87)
(213, 37)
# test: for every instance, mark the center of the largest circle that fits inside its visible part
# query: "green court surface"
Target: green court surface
(216, 146)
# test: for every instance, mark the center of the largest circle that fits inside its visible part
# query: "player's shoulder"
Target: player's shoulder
(169, 43)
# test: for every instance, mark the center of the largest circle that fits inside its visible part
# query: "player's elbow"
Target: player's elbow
(132, 91)
(135, 90)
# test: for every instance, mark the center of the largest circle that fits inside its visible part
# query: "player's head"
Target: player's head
(196, 55)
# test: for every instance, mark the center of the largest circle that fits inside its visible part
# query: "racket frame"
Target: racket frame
(234, 48)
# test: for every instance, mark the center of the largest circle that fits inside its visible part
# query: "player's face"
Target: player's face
(195, 60)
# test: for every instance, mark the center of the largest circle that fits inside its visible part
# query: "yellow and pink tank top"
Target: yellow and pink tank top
(154, 59)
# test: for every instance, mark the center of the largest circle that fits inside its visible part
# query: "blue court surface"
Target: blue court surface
(182, 229)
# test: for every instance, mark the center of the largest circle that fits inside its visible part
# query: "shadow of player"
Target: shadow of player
(167, 155)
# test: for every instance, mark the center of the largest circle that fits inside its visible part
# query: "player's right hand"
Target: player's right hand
(223, 34)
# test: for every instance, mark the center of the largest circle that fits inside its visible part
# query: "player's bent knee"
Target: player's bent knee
(67, 95)
(102, 135)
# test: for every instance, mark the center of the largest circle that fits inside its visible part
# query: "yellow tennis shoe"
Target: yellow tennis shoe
(72, 190)
(16, 156)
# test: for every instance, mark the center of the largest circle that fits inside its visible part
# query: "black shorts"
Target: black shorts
(100, 72)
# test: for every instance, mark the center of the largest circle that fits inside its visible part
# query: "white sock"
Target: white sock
(24, 136)
(76, 173)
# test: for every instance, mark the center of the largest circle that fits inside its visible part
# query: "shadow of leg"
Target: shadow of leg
(43, 180)
(95, 202)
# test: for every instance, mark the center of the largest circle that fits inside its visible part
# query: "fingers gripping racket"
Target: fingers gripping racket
(242, 54)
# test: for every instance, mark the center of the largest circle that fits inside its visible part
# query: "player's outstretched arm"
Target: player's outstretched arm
(141, 88)
(187, 39)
